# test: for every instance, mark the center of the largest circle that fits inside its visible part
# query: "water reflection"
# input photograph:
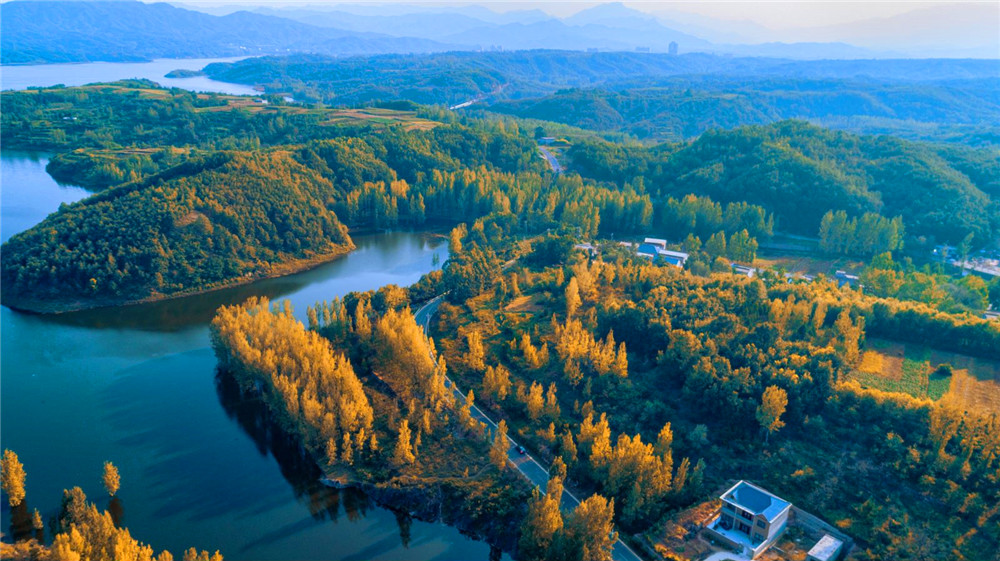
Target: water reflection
(117, 511)
(379, 259)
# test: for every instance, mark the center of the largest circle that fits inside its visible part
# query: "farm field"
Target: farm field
(974, 383)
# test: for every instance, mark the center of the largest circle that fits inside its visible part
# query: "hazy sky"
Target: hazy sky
(772, 14)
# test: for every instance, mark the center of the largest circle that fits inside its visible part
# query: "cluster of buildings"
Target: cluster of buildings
(656, 249)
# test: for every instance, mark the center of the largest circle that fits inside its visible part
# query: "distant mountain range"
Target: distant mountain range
(50, 32)
(34, 32)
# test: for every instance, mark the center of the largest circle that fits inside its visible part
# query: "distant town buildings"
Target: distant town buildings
(642, 49)
(673, 48)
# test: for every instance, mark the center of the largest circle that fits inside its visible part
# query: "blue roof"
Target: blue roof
(673, 260)
(751, 498)
(647, 248)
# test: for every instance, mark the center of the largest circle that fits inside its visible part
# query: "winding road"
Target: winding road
(528, 466)
(551, 159)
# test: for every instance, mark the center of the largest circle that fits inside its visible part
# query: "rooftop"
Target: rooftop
(751, 498)
(826, 548)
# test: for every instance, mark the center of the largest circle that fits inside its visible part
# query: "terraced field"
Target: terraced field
(974, 383)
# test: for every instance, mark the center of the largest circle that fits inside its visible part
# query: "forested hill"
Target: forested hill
(52, 31)
(800, 171)
(966, 111)
(210, 190)
(204, 223)
(457, 77)
(258, 197)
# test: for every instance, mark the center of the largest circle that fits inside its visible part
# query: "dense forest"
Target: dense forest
(208, 190)
(645, 386)
(800, 172)
(456, 77)
(620, 369)
(964, 111)
(657, 97)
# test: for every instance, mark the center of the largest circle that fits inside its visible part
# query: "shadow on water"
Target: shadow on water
(117, 511)
(296, 465)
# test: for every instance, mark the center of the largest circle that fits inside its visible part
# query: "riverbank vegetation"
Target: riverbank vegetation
(81, 531)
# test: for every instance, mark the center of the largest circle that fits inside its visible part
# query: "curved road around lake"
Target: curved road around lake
(528, 466)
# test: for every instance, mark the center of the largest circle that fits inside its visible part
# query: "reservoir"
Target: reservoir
(23, 77)
(200, 465)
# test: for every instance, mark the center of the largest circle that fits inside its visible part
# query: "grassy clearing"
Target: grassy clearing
(911, 369)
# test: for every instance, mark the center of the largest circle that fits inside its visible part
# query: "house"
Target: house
(826, 549)
(991, 315)
(546, 140)
(743, 270)
(660, 243)
(656, 249)
(750, 517)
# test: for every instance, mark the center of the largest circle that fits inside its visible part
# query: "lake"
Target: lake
(23, 77)
(199, 463)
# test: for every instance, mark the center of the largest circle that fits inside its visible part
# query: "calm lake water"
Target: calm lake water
(200, 466)
(22, 77)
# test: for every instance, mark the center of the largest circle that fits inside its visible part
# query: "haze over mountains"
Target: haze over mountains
(47, 31)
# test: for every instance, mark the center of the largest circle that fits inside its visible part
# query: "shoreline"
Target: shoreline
(49, 307)
(37, 306)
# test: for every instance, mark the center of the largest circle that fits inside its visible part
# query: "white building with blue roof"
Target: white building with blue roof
(751, 517)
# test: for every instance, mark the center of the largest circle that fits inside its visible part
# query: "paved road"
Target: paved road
(551, 159)
(528, 466)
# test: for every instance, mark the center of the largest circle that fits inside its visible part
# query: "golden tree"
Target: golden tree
(112, 481)
(772, 407)
(498, 451)
(12, 477)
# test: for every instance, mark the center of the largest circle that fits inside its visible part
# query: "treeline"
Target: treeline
(682, 108)
(80, 532)
(930, 285)
(123, 122)
(101, 169)
(400, 427)
(720, 361)
(210, 221)
(871, 234)
(800, 172)
(314, 391)
(455, 77)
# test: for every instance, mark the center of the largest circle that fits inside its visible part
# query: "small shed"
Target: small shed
(826, 549)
